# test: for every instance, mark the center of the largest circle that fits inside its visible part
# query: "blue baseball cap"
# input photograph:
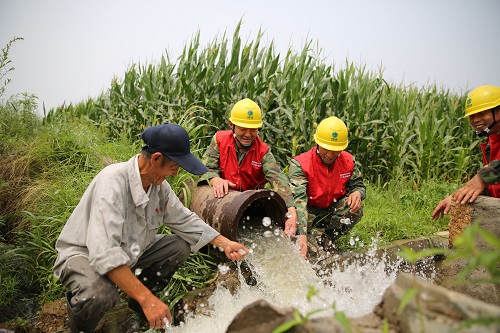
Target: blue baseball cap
(172, 141)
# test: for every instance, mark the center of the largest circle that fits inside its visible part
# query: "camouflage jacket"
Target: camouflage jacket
(490, 173)
(277, 179)
(299, 183)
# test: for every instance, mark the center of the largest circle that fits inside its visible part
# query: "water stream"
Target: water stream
(284, 279)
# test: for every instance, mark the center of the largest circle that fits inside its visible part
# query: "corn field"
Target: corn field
(395, 131)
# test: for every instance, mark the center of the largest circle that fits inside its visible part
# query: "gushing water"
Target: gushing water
(284, 279)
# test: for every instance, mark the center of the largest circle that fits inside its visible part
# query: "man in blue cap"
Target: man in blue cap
(111, 240)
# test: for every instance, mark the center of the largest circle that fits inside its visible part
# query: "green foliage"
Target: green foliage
(5, 67)
(408, 295)
(466, 246)
(9, 286)
(299, 319)
(39, 236)
(44, 176)
(399, 210)
(196, 273)
(343, 320)
(394, 130)
(481, 322)
(18, 119)
(16, 278)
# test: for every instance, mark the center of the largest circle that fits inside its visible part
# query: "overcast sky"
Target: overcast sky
(72, 49)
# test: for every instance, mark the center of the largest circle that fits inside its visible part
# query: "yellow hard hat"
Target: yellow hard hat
(331, 134)
(481, 99)
(246, 113)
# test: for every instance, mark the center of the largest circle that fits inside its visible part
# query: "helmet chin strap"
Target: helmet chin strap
(488, 129)
(243, 145)
(317, 153)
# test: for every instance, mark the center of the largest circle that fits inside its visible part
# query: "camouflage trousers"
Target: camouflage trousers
(336, 220)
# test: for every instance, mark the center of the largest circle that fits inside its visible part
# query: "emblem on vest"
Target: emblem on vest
(256, 164)
(346, 175)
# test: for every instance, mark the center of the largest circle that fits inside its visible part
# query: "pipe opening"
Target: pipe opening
(262, 214)
(238, 209)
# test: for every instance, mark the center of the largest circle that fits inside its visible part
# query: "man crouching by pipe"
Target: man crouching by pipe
(112, 233)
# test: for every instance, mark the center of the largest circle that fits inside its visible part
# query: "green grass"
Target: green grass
(398, 211)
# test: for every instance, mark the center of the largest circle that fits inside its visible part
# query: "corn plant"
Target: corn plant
(396, 131)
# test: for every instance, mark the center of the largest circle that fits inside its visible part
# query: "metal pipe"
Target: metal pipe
(225, 214)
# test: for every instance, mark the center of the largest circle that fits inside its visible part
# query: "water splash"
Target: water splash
(223, 269)
(284, 279)
(135, 250)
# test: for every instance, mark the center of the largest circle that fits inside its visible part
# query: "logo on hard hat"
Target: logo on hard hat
(334, 136)
(469, 102)
(250, 114)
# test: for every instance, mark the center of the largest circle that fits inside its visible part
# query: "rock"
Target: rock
(121, 319)
(433, 308)
(260, 317)
(486, 212)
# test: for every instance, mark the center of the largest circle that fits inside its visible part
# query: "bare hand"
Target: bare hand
(354, 201)
(235, 251)
(232, 249)
(221, 186)
(154, 309)
(442, 208)
(156, 312)
(302, 243)
(291, 223)
(470, 191)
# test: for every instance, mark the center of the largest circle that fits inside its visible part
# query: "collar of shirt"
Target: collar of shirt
(141, 198)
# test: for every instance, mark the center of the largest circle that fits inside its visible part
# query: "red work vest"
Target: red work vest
(249, 174)
(494, 139)
(326, 184)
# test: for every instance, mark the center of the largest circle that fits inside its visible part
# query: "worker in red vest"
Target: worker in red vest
(237, 159)
(482, 107)
(327, 185)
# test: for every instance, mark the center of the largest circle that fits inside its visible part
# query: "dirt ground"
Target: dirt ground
(52, 319)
